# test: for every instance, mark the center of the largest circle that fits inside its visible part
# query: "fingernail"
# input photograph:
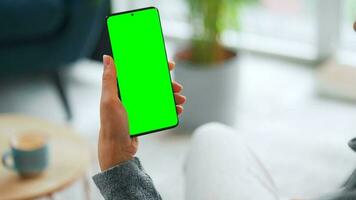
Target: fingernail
(106, 60)
(181, 86)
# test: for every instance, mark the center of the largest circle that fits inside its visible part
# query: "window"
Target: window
(303, 29)
(292, 20)
(279, 27)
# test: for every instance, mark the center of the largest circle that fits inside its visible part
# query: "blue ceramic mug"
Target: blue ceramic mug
(29, 154)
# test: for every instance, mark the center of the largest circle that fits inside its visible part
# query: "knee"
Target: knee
(213, 132)
(215, 139)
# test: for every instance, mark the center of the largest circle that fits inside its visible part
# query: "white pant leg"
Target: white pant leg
(220, 165)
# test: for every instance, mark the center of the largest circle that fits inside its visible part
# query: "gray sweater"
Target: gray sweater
(127, 181)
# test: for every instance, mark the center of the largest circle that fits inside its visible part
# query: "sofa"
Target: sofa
(46, 36)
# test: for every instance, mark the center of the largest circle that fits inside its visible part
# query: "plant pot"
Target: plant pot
(210, 90)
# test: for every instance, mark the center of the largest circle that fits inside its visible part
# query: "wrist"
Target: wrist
(111, 155)
(107, 164)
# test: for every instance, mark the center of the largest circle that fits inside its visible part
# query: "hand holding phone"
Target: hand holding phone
(115, 144)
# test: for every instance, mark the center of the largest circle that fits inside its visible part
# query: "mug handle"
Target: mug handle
(5, 158)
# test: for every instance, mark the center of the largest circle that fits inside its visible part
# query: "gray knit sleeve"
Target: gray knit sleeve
(126, 181)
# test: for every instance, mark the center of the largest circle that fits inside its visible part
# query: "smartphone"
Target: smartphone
(144, 81)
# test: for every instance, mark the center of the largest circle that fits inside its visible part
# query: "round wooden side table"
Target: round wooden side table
(68, 162)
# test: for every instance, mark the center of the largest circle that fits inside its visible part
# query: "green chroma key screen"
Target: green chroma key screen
(142, 70)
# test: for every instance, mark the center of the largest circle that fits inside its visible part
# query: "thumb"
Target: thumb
(109, 84)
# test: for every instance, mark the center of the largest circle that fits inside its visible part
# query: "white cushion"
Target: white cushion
(220, 165)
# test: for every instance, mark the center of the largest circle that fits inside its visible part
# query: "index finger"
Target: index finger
(171, 65)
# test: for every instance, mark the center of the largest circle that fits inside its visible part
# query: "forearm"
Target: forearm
(126, 181)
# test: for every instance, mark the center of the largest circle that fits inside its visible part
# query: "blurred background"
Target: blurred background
(283, 73)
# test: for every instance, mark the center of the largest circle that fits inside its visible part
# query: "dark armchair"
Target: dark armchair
(45, 36)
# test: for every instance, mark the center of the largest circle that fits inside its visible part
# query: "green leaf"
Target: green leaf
(209, 19)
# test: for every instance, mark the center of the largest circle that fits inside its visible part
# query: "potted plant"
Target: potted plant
(207, 69)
